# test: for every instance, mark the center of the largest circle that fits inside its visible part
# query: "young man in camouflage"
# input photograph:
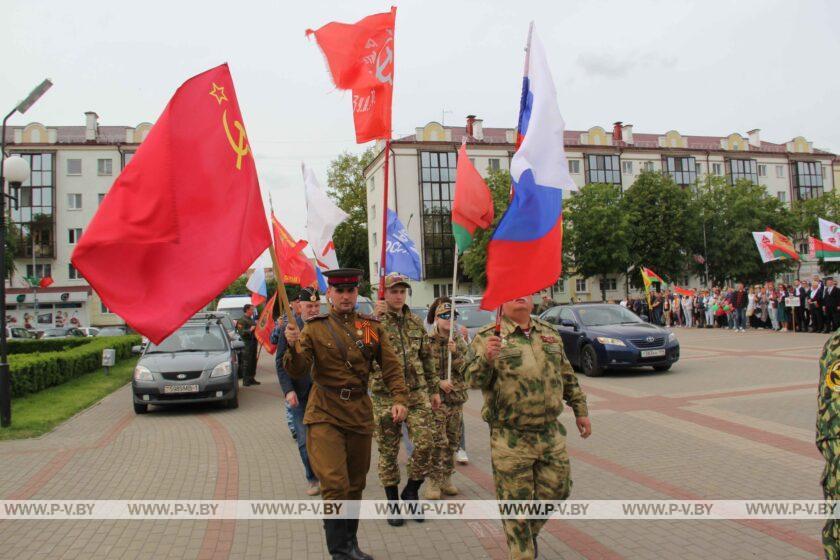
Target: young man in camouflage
(525, 377)
(828, 438)
(453, 394)
(411, 343)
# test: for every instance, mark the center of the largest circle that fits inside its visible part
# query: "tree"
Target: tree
(346, 185)
(662, 225)
(474, 260)
(806, 214)
(597, 232)
(728, 214)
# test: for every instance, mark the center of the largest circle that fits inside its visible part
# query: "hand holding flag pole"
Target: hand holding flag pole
(278, 275)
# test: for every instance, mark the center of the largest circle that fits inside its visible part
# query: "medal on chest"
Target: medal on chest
(366, 331)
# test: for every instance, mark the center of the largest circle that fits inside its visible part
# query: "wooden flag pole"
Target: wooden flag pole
(383, 254)
(452, 325)
(278, 275)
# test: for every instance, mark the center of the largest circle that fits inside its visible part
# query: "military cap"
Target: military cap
(445, 307)
(343, 277)
(308, 294)
(396, 279)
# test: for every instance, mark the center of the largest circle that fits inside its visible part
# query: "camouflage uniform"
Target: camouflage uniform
(448, 416)
(828, 437)
(524, 389)
(249, 353)
(411, 344)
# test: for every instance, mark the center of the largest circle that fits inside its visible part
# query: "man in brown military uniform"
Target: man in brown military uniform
(342, 346)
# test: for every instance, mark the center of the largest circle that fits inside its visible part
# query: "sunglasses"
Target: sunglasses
(446, 316)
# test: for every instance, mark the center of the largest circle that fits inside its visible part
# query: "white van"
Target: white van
(233, 305)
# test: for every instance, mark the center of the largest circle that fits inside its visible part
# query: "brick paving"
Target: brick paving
(733, 420)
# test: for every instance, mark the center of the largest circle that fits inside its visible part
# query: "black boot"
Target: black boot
(338, 542)
(393, 495)
(410, 494)
(536, 548)
(355, 552)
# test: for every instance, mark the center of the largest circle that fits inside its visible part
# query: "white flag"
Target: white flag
(830, 233)
(763, 241)
(322, 218)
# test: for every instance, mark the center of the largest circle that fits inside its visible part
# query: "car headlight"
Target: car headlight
(142, 373)
(672, 337)
(221, 370)
(612, 341)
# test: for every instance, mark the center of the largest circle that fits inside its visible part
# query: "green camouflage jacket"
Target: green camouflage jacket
(411, 344)
(525, 386)
(439, 345)
(828, 404)
(243, 327)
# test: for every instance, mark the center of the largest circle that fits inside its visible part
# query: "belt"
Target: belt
(344, 393)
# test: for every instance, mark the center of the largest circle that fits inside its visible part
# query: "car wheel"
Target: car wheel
(140, 408)
(232, 402)
(662, 368)
(589, 362)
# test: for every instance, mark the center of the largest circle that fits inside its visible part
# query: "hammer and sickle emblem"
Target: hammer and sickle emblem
(383, 62)
(239, 146)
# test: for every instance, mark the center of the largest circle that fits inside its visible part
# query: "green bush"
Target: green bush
(37, 371)
(45, 345)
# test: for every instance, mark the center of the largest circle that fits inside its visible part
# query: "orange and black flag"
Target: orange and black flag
(265, 326)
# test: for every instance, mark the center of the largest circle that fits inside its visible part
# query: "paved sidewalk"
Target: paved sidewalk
(734, 419)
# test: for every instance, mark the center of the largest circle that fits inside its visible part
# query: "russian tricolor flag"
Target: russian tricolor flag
(524, 255)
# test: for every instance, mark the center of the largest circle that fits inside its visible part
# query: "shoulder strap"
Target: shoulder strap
(359, 344)
(341, 349)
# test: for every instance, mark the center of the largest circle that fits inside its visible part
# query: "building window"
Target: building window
(560, 286)
(762, 170)
(442, 290)
(72, 273)
(101, 197)
(780, 171)
(375, 244)
(34, 217)
(39, 270)
(73, 235)
(803, 248)
(782, 196)
(717, 169)
(74, 201)
(649, 166)
(683, 170)
(609, 285)
(104, 309)
(105, 166)
(698, 168)
(126, 158)
(493, 164)
(603, 169)
(627, 167)
(74, 167)
(574, 166)
(742, 169)
(580, 285)
(373, 212)
(808, 180)
(437, 175)
(371, 184)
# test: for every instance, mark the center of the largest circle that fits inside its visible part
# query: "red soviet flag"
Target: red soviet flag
(185, 217)
(296, 267)
(361, 58)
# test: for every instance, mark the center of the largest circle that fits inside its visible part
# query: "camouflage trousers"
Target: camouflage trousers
(448, 428)
(421, 432)
(529, 466)
(830, 449)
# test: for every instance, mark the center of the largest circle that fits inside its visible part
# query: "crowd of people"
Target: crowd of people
(802, 306)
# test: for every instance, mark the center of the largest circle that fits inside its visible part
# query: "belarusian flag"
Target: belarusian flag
(782, 246)
(46, 282)
(649, 276)
(472, 207)
(821, 250)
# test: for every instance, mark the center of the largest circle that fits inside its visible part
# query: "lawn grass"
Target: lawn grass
(38, 413)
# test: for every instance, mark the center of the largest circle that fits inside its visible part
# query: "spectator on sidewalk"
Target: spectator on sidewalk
(831, 306)
(815, 304)
(739, 306)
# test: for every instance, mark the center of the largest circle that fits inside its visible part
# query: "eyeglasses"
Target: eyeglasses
(445, 316)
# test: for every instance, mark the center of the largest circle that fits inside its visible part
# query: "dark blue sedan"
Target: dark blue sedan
(598, 337)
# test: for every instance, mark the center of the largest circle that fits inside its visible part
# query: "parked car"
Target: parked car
(196, 363)
(111, 331)
(63, 332)
(602, 336)
(472, 317)
(466, 299)
(89, 331)
(20, 333)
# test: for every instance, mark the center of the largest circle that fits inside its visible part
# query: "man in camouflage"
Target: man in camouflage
(525, 377)
(411, 344)
(453, 394)
(245, 327)
(828, 438)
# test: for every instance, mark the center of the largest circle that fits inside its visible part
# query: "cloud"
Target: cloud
(612, 65)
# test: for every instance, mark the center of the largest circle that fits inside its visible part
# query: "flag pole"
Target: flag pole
(383, 255)
(278, 275)
(452, 325)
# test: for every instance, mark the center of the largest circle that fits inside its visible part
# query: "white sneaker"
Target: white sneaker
(461, 457)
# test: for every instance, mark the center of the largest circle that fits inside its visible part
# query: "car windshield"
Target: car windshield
(598, 315)
(192, 338)
(112, 331)
(235, 313)
(55, 332)
(472, 316)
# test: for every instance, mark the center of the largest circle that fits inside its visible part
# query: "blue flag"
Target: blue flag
(400, 254)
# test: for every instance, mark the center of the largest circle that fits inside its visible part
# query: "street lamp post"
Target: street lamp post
(16, 170)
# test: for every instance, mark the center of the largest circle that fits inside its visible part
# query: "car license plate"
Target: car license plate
(653, 353)
(180, 388)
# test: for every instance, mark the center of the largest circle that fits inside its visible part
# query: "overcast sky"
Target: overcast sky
(710, 67)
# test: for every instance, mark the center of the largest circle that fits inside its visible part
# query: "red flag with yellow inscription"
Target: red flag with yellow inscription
(185, 217)
(265, 325)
